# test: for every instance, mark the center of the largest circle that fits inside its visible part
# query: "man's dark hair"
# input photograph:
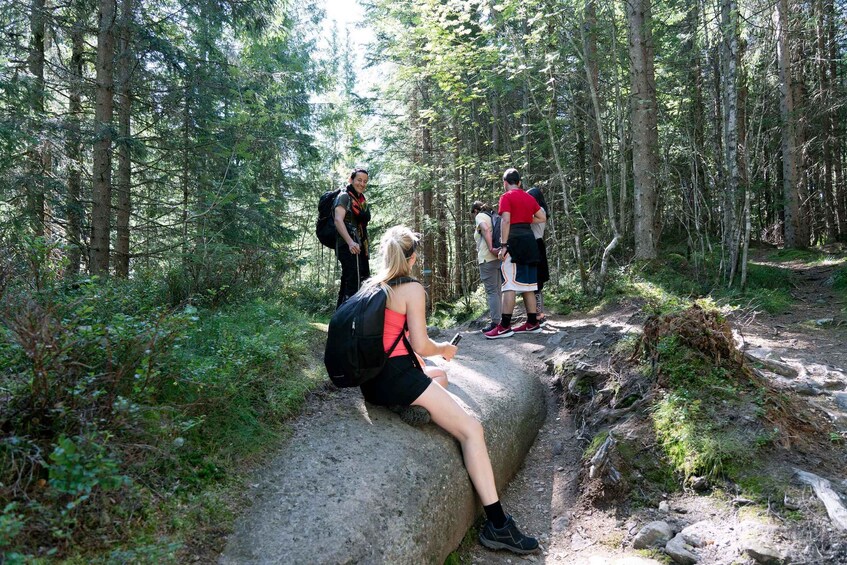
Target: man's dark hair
(512, 176)
(356, 172)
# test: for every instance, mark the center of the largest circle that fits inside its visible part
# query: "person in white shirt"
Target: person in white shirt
(489, 263)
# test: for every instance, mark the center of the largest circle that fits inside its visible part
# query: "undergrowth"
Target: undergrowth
(128, 424)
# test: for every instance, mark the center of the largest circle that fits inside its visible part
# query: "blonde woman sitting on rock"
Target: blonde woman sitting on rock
(404, 383)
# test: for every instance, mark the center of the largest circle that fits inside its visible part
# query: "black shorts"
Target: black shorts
(399, 383)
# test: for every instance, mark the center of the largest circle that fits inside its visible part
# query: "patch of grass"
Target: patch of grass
(656, 474)
(768, 289)
(449, 315)
(697, 417)
(757, 484)
(626, 345)
(469, 541)
(803, 255)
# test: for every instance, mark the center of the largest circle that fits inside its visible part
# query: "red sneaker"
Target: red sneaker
(498, 332)
(527, 328)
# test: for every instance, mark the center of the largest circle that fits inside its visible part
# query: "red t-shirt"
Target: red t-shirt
(520, 205)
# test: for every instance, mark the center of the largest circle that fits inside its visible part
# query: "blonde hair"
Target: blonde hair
(396, 247)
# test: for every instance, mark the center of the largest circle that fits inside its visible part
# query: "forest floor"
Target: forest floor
(553, 498)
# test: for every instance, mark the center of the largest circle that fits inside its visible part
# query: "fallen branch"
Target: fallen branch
(831, 500)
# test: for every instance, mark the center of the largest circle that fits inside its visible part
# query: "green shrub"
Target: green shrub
(112, 394)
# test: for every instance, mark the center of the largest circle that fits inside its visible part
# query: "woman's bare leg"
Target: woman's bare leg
(437, 374)
(450, 416)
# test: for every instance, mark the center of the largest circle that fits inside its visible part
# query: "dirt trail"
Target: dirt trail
(545, 496)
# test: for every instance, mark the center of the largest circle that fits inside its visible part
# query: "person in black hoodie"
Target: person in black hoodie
(543, 267)
(351, 243)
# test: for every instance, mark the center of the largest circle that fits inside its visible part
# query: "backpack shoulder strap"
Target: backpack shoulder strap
(402, 280)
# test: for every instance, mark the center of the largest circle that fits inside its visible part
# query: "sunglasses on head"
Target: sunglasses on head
(408, 252)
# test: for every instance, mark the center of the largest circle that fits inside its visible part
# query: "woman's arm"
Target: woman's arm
(340, 212)
(485, 230)
(414, 296)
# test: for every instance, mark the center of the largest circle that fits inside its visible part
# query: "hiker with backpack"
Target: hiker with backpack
(543, 269)
(401, 381)
(519, 255)
(350, 217)
(486, 255)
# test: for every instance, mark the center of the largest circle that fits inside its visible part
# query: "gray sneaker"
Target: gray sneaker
(508, 537)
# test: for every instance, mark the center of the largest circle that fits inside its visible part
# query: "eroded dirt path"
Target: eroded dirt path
(545, 496)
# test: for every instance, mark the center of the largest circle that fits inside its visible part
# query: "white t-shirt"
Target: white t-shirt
(538, 229)
(483, 254)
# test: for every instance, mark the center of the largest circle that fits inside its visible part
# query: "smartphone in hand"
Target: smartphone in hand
(456, 339)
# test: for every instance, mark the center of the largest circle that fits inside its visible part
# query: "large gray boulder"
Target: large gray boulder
(357, 485)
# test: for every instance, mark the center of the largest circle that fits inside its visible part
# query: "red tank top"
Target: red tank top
(394, 322)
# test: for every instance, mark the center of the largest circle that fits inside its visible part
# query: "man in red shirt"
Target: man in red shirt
(519, 255)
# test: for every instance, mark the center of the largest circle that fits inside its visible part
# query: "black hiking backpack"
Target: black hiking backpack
(495, 229)
(325, 226)
(354, 352)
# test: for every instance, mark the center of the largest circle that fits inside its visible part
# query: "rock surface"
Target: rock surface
(357, 485)
(654, 534)
(679, 551)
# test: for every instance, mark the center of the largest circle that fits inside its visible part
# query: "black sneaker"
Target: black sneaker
(413, 415)
(489, 327)
(508, 537)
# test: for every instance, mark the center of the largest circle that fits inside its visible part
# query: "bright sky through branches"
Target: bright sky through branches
(349, 14)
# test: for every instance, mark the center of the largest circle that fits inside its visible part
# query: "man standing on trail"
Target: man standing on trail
(519, 255)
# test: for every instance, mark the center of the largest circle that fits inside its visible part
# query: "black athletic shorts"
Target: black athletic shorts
(399, 383)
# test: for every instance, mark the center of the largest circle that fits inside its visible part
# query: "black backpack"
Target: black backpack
(325, 226)
(354, 352)
(495, 229)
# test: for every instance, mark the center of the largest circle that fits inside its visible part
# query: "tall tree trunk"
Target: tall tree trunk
(458, 248)
(837, 126)
(589, 43)
(73, 146)
(743, 161)
(729, 57)
(696, 113)
(185, 181)
(645, 133)
(428, 215)
(102, 170)
(621, 123)
(798, 85)
(597, 127)
(826, 98)
(37, 173)
(124, 180)
(790, 151)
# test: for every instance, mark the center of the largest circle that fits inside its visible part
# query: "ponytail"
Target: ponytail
(395, 248)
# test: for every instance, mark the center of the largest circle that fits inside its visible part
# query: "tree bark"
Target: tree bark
(790, 151)
(124, 180)
(838, 127)
(73, 147)
(645, 133)
(592, 78)
(589, 42)
(826, 98)
(729, 43)
(103, 111)
(37, 173)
